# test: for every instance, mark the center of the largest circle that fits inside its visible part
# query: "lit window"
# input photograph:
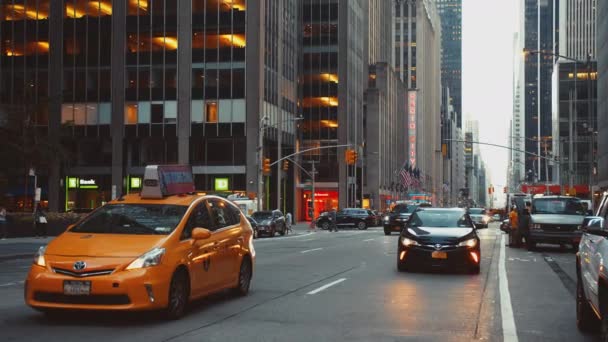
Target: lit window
(211, 111)
(130, 114)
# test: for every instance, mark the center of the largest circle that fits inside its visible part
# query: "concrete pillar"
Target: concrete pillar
(118, 93)
(184, 76)
(55, 86)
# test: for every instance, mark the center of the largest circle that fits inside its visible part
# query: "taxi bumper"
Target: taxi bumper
(133, 290)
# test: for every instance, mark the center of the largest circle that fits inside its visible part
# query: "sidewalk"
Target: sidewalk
(21, 248)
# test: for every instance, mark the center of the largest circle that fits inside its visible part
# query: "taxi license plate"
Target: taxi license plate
(76, 288)
(439, 255)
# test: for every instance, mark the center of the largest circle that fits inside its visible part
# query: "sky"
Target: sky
(487, 78)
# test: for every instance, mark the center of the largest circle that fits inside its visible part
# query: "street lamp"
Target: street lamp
(262, 127)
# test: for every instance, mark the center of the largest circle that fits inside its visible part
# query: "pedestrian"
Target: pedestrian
(40, 221)
(3, 223)
(332, 220)
(288, 221)
(514, 231)
(524, 224)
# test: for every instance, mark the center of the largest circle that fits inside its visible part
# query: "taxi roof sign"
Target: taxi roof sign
(166, 180)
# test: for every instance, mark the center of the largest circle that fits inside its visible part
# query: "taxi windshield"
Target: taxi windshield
(146, 219)
(404, 209)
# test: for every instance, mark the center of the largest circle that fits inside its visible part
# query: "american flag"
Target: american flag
(406, 177)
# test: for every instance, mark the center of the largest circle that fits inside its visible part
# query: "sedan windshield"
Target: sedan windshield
(262, 215)
(440, 218)
(561, 206)
(147, 219)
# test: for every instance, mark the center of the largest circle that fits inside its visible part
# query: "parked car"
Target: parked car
(357, 217)
(270, 222)
(591, 274)
(254, 226)
(555, 219)
(439, 238)
(397, 217)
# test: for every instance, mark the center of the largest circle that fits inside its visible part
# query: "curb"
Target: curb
(15, 256)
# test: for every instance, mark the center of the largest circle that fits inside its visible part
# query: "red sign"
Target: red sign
(411, 118)
(554, 189)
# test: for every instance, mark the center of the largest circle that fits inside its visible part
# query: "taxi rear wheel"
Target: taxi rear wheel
(178, 295)
(245, 273)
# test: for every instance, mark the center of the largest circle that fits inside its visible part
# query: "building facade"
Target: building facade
(417, 59)
(333, 80)
(602, 107)
(577, 26)
(120, 85)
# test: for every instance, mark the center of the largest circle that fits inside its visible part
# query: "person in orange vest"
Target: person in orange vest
(514, 236)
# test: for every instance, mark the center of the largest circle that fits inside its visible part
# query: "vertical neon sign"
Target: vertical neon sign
(411, 125)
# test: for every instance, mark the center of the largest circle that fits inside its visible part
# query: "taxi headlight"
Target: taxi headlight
(39, 257)
(468, 243)
(409, 242)
(151, 258)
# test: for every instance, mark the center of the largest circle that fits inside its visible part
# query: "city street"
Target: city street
(321, 286)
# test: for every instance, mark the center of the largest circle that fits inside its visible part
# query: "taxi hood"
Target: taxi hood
(103, 245)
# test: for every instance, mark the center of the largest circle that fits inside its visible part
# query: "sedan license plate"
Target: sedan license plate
(439, 255)
(76, 288)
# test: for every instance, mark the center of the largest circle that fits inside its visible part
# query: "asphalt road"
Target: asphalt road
(341, 286)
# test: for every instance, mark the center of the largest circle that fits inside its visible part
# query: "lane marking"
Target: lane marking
(509, 331)
(309, 240)
(311, 250)
(283, 237)
(324, 287)
(369, 240)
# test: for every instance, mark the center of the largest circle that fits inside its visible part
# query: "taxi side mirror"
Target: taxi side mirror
(201, 234)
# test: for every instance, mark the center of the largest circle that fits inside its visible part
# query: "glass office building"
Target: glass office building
(123, 84)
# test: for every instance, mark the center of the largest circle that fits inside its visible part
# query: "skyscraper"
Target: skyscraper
(417, 59)
(450, 12)
(541, 30)
(333, 80)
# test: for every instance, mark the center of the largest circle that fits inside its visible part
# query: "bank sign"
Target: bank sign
(412, 103)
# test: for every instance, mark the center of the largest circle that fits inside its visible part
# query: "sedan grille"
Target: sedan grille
(82, 274)
(558, 227)
(437, 240)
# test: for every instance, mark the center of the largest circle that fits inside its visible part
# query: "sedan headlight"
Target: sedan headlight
(409, 242)
(151, 258)
(386, 218)
(39, 257)
(468, 243)
(486, 219)
(535, 226)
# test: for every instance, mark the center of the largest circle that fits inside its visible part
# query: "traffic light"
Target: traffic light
(266, 166)
(285, 165)
(350, 156)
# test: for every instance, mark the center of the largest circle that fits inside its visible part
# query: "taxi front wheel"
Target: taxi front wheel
(178, 295)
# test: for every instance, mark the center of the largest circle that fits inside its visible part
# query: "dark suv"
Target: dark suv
(397, 217)
(360, 218)
(270, 222)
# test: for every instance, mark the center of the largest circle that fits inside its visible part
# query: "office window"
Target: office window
(130, 114)
(211, 111)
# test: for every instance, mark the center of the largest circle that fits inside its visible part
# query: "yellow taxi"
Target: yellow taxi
(158, 249)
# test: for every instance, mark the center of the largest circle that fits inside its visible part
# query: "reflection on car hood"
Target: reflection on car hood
(103, 245)
(557, 219)
(444, 232)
